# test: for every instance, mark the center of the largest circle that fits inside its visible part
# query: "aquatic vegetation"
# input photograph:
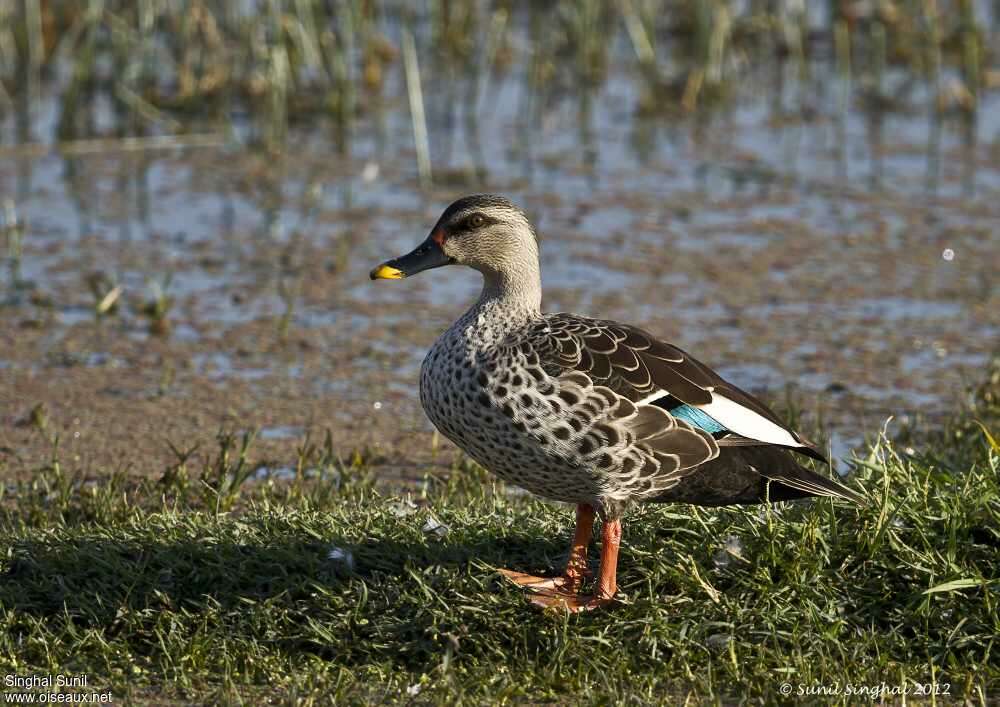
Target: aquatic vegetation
(106, 293)
(180, 68)
(13, 230)
(288, 290)
(158, 304)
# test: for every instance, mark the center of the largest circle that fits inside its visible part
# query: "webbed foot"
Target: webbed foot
(562, 584)
(573, 603)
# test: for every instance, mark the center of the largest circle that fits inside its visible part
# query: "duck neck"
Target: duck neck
(521, 291)
(509, 299)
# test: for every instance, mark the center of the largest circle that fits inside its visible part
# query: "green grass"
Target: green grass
(154, 590)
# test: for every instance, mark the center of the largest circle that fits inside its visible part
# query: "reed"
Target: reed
(416, 99)
(13, 230)
(186, 67)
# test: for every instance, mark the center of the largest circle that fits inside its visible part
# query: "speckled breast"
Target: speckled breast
(467, 396)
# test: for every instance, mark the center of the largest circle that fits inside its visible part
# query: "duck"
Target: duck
(591, 412)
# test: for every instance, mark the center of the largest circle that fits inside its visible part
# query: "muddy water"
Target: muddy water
(839, 259)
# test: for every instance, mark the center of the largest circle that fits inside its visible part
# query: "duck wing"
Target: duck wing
(547, 382)
(651, 373)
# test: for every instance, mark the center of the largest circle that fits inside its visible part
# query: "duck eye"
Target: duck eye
(476, 220)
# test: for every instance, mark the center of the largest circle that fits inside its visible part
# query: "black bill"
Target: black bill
(424, 257)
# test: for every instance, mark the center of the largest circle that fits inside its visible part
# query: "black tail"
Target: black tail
(753, 474)
(795, 478)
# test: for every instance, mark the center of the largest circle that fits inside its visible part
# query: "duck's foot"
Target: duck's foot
(576, 566)
(557, 592)
(607, 585)
(562, 585)
(573, 603)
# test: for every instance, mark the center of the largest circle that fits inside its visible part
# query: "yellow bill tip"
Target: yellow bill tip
(387, 272)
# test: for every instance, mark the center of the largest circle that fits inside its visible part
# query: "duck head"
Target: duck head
(485, 232)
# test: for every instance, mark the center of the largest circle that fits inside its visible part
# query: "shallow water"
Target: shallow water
(844, 259)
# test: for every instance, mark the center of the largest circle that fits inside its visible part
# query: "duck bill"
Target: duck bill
(424, 257)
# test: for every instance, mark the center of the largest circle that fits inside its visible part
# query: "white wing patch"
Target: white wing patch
(736, 418)
(746, 422)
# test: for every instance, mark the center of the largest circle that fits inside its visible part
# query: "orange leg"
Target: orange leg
(576, 567)
(607, 584)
